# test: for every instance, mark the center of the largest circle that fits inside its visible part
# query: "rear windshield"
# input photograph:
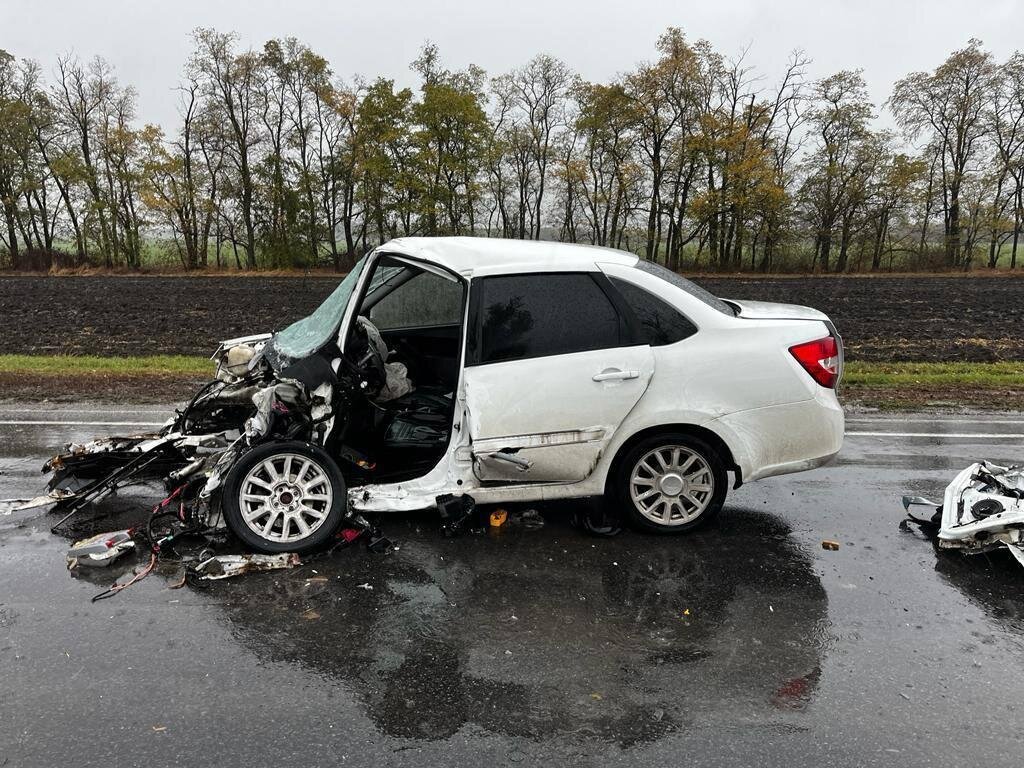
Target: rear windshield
(686, 285)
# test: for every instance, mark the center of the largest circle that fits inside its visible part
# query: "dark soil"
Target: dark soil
(907, 318)
(881, 318)
(105, 388)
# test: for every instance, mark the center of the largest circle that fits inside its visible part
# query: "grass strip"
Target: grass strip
(92, 365)
(858, 374)
(930, 375)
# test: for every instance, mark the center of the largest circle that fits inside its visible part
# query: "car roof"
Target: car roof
(491, 255)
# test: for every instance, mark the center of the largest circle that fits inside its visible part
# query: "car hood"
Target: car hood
(769, 310)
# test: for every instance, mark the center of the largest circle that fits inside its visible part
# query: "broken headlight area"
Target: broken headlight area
(314, 409)
(982, 510)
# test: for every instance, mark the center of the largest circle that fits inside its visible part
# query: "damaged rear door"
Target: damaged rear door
(552, 369)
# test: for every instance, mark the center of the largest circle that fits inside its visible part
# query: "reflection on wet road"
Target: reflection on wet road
(742, 644)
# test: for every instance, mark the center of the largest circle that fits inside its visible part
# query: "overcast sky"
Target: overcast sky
(148, 42)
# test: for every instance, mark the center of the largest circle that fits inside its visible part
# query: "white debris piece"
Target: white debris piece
(101, 550)
(226, 566)
(982, 509)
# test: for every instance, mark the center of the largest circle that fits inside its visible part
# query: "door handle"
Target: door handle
(615, 374)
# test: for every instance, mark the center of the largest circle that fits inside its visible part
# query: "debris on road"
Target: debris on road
(101, 550)
(455, 512)
(982, 510)
(598, 522)
(830, 545)
(530, 519)
(135, 578)
(20, 505)
(227, 566)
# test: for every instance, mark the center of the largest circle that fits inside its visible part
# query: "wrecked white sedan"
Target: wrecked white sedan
(444, 371)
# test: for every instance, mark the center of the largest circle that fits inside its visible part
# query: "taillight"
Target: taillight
(821, 359)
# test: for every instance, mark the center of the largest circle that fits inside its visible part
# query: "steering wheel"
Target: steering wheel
(368, 354)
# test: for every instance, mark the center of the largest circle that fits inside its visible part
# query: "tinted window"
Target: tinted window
(537, 315)
(427, 299)
(660, 322)
(690, 287)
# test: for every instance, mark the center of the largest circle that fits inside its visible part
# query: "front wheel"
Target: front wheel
(670, 483)
(285, 496)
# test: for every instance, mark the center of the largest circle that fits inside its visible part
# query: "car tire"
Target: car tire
(284, 496)
(670, 483)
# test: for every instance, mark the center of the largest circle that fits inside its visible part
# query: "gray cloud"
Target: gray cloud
(148, 42)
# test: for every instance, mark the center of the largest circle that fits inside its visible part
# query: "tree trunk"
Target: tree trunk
(953, 230)
(12, 234)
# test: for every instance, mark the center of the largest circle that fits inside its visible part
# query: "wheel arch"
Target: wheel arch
(708, 436)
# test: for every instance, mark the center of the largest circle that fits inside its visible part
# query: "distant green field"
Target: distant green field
(161, 254)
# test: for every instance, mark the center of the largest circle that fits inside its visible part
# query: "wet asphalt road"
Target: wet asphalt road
(743, 644)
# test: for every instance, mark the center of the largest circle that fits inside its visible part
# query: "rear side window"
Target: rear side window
(525, 316)
(682, 283)
(660, 322)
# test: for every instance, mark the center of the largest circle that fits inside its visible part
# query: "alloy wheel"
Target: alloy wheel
(285, 497)
(671, 485)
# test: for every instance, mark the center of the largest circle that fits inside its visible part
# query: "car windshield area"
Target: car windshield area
(304, 337)
(686, 285)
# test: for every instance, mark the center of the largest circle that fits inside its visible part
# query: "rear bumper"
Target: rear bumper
(781, 439)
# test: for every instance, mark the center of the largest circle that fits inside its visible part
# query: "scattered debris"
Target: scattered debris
(455, 511)
(499, 517)
(360, 528)
(227, 566)
(53, 497)
(349, 535)
(367, 586)
(982, 510)
(598, 522)
(380, 543)
(830, 545)
(528, 519)
(135, 578)
(101, 550)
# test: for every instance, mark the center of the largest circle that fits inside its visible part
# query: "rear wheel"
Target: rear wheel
(284, 496)
(670, 483)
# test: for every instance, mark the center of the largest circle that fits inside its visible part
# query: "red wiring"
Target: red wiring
(135, 579)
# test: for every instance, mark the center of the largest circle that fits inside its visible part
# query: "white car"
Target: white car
(510, 371)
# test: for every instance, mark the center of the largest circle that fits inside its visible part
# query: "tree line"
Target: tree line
(690, 159)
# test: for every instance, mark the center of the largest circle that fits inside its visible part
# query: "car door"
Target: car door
(552, 369)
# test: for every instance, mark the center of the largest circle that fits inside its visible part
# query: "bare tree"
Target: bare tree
(539, 94)
(234, 80)
(946, 108)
